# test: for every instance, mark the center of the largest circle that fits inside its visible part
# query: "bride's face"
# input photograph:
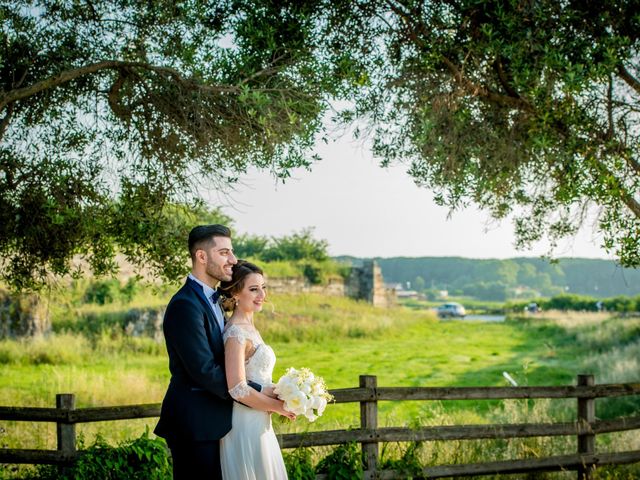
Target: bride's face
(253, 293)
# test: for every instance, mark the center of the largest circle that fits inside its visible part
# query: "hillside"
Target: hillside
(504, 278)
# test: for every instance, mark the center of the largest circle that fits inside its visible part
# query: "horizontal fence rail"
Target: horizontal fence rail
(369, 435)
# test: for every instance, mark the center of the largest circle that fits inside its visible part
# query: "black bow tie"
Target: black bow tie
(215, 296)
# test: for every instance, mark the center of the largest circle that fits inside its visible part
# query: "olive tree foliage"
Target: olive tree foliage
(116, 115)
(525, 108)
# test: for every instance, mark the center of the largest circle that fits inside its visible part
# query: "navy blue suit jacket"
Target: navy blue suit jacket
(197, 405)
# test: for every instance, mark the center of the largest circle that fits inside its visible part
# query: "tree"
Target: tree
(517, 106)
(111, 111)
(297, 246)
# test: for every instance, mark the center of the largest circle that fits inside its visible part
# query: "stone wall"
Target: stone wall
(334, 287)
(364, 283)
(22, 315)
(145, 322)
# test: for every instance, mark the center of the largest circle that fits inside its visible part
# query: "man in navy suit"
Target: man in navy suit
(196, 410)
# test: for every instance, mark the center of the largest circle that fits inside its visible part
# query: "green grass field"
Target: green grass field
(340, 339)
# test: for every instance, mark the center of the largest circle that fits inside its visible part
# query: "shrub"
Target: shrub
(313, 273)
(408, 462)
(103, 291)
(141, 459)
(299, 464)
(344, 463)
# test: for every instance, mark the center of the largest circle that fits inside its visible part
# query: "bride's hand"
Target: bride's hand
(289, 415)
(285, 413)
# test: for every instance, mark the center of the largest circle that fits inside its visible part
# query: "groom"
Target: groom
(196, 410)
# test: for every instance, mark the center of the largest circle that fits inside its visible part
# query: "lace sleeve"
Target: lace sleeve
(235, 332)
(240, 391)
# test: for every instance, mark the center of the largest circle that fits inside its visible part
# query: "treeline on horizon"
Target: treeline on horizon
(493, 279)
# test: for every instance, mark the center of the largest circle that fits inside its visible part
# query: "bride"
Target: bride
(250, 451)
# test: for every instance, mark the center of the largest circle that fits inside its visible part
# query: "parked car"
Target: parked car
(532, 308)
(451, 310)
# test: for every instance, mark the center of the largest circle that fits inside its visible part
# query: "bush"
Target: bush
(103, 291)
(141, 459)
(408, 462)
(314, 273)
(299, 464)
(344, 463)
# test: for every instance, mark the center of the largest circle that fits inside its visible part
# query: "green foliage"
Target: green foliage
(109, 291)
(294, 247)
(296, 255)
(525, 108)
(343, 463)
(313, 273)
(141, 459)
(407, 463)
(109, 112)
(620, 304)
(496, 291)
(537, 276)
(103, 291)
(299, 464)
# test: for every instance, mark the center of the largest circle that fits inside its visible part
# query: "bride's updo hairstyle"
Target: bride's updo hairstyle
(240, 272)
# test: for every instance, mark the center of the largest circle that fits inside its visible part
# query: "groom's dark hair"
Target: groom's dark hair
(204, 234)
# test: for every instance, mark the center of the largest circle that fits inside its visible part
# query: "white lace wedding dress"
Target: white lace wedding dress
(250, 451)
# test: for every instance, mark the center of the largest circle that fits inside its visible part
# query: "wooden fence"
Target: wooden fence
(369, 435)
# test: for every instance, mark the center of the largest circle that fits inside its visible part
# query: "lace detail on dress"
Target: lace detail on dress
(259, 365)
(233, 331)
(241, 390)
(241, 335)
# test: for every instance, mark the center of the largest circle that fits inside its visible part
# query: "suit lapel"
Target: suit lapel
(211, 318)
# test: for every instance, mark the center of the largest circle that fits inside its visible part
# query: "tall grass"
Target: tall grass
(339, 339)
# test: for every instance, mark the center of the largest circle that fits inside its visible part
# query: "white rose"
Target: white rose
(297, 403)
(322, 404)
(315, 402)
(285, 388)
(317, 388)
(305, 388)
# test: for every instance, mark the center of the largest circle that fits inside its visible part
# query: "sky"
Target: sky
(366, 211)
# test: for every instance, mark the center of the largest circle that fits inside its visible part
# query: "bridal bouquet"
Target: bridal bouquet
(303, 393)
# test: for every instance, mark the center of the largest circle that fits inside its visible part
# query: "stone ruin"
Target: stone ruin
(23, 315)
(366, 283)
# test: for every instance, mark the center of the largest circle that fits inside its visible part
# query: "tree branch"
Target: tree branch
(630, 79)
(483, 92)
(69, 75)
(610, 130)
(632, 203)
(512, 100)
(625, 196)
(502, 76)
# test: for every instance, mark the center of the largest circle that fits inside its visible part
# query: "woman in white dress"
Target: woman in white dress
(250, 451)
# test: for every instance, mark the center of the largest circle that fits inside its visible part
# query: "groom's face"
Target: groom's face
(220, 260)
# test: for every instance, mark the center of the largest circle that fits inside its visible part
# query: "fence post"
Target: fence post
(586, 415)
(66, 431)
(369, 420)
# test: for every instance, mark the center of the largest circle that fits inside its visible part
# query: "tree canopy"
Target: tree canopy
(115, 113)
(112, 112)
(520, 107)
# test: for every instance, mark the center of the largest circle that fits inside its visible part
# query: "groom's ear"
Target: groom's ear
(200, 256)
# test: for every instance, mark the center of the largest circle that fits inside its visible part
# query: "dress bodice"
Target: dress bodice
(259, 366)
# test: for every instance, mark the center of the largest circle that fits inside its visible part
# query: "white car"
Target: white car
(451, 310)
